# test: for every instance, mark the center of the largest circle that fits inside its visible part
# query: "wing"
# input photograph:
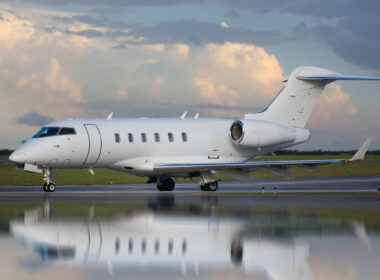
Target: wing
(275, 167)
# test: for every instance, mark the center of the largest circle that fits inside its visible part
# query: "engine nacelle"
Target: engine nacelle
(259, 133)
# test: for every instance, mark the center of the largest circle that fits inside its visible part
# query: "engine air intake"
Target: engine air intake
(236, 130)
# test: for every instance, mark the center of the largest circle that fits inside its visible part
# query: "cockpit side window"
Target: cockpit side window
(67, 131)
(46, 131)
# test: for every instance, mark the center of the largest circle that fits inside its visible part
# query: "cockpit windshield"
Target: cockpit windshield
(46, 131)
(54, 253)
(52, 131)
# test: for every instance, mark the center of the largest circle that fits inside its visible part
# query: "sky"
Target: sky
(159, 58)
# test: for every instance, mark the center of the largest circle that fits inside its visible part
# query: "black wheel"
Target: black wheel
(168, 184)
(203, 187)
(213, 186)
(51, 187)
(45, 187)
(160, 187)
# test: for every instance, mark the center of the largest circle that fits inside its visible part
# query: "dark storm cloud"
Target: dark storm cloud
(232, 14)
(195, 32)
(117, 3)
(348, 27)
(34, 119)
(356, 42)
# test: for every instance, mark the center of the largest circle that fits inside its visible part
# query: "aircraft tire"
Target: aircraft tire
(160, 187)
(168, 184)
(45, 187)
(209, 187)
(213, 186)
(51, 187)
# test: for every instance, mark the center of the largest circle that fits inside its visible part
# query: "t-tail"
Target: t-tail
(295, 102)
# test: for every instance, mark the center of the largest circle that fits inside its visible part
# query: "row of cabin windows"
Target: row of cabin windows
(156, 246)
(156, 137)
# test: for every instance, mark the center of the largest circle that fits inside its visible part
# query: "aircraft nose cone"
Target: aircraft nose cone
(17, 156)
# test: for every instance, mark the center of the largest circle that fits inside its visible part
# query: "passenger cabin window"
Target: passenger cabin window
(130, 246)
(171, 137)
(117, 246)
(184, 247)
(46, 131)
(157, 246)
(130, 137)
(117, 137)
(170, 247)
(156, 137)
(143, 246)
(143, 137)
(184, 137)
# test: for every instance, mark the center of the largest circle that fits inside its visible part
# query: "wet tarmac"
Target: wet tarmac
(368, 184)
(136, 232)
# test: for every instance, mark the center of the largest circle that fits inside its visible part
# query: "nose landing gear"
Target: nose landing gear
(49, 186)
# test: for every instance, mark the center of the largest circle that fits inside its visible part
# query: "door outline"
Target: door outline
(89, 145)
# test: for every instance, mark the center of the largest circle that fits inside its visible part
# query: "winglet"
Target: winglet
(183, 115)
(110, 116)
(359, 155)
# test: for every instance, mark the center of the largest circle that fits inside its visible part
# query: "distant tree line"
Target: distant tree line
(323, 152)
(283, 152)
(5, 152)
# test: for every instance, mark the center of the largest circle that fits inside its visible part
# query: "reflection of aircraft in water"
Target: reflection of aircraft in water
(151, 240)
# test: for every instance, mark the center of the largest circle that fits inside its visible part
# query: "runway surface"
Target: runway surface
(317, 185)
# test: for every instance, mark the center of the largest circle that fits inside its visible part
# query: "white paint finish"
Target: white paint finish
(208, 144)
(94, 144)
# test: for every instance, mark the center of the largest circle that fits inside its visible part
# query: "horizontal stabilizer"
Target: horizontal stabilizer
(359, 155)
(337, 77)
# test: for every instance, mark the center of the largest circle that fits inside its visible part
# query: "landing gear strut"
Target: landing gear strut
(166, 184)
(209, 187)
(208, 183)
(49, 186)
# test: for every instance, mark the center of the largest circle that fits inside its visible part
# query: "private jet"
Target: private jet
(166, 148)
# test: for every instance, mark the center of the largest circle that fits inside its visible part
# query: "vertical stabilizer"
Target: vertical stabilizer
(295, 103)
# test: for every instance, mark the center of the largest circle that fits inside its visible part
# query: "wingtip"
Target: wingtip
(359, 155)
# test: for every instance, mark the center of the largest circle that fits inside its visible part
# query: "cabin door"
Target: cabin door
(94, 144)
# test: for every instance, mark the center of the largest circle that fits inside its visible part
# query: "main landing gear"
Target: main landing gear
(209, 187)
(165, 184)
(49, 185)
(208, 183)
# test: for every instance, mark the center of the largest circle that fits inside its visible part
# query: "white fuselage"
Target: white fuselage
(118, 143)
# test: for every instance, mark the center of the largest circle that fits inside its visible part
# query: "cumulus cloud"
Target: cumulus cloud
(155, 47)
(248, 64)
(14, 29)
(34, 119)
(50, 91)
(122, 93)
(217, 94)
(333, 106)
(59, 82)
(224, 24)
(180, 49)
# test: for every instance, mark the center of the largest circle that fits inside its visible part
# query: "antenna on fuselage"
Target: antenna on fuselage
(184, 115)
(110, 116)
